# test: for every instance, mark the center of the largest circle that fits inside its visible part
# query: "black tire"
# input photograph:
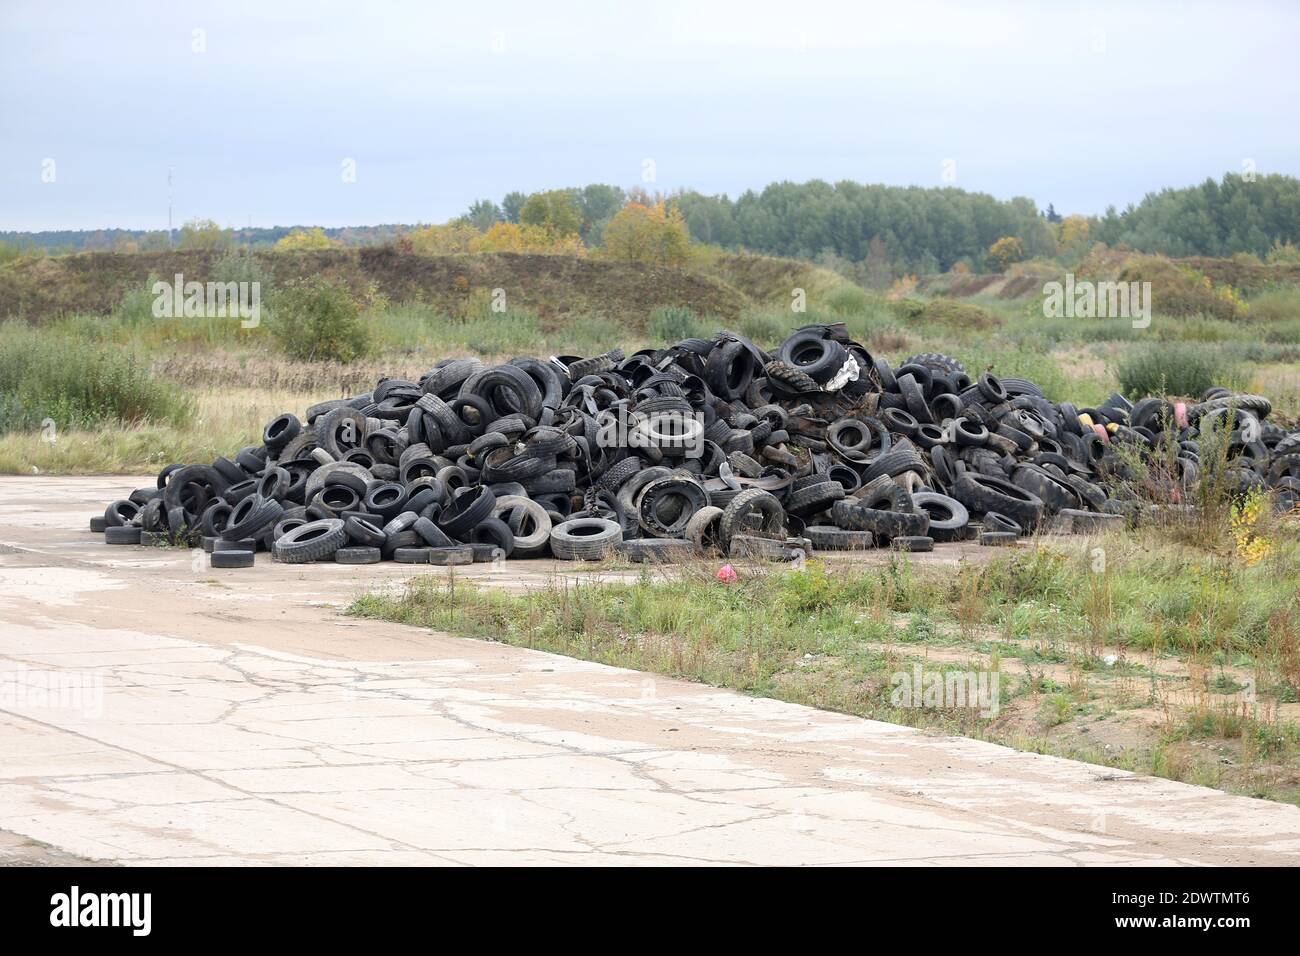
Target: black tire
(283, 527)
(750, 505)
(619, 472)
(252, 516)
(757, 548)
(431, 534)
(415, 555)
(280, 431)
(357, 555)
(215, 519)
(241, 544)
(122, 534)
(813, 353)
(936, 361)
(894, 463)
(789, 379)
(447, 557)
(240, 490)
(702, 529)
(507, 389)
(905, 521)
(363, 534)
(667, 504)
(997, 539)
(231, 559)
(386, 498)
(528, 522)
(467, 510)
(729, 369)
(828, 538)
(984, 493)
(657, 550)
(813, 498)
(120, 513)
(311, 542)
(98, 524)
(948, 516)
(495, 532)
(912, 543)
(914, 395)
(1000, 523)
(1056, 495)
(340, 431)
(585, 539)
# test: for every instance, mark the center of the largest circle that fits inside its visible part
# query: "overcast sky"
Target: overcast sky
(259, 105)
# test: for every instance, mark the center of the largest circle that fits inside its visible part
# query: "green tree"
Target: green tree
(555, 210)
(204, 234)
(483, 214)
(512, 205)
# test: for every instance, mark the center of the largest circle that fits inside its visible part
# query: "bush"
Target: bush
(847, 300)
(314, 320)
(1174, 369)
(674, 323)
(1279, 304)
(78, 384)
(1181, 290)
(946, 313)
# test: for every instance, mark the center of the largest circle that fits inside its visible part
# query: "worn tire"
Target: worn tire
(585, 539)
(311, 542)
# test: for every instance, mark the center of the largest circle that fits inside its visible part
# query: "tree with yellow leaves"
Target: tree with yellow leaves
(301, 240)
(447, 239)
(1004, 252)
(653, 235)
(516, 237)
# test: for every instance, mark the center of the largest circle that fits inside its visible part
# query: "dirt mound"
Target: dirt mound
(555, 287)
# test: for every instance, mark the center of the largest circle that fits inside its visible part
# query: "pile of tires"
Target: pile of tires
(705, 446)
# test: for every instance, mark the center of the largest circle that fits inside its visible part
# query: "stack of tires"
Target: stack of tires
(706, 445)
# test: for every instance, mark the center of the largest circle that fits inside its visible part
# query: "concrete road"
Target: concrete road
(155, 711)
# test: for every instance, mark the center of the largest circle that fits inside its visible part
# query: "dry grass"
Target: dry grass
(226, 420)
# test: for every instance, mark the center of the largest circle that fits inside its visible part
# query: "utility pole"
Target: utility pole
(171, 240)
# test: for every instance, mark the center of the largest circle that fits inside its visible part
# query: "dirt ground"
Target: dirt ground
(153, 710)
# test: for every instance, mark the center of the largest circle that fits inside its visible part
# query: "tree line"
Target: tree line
(872, 232)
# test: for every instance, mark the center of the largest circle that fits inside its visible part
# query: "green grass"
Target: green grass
(46, 376)
(1181, 369)
(1149, 596)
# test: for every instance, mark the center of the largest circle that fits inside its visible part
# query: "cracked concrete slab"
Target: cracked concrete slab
(154, 711)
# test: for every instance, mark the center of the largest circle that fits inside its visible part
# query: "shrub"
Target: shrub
(847, 300)
(1279, 304)
(312, 319)
(768, 327)
(78, 384)
(674, 323)
(1173, 369)
(947, 313)
(1181, 290)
